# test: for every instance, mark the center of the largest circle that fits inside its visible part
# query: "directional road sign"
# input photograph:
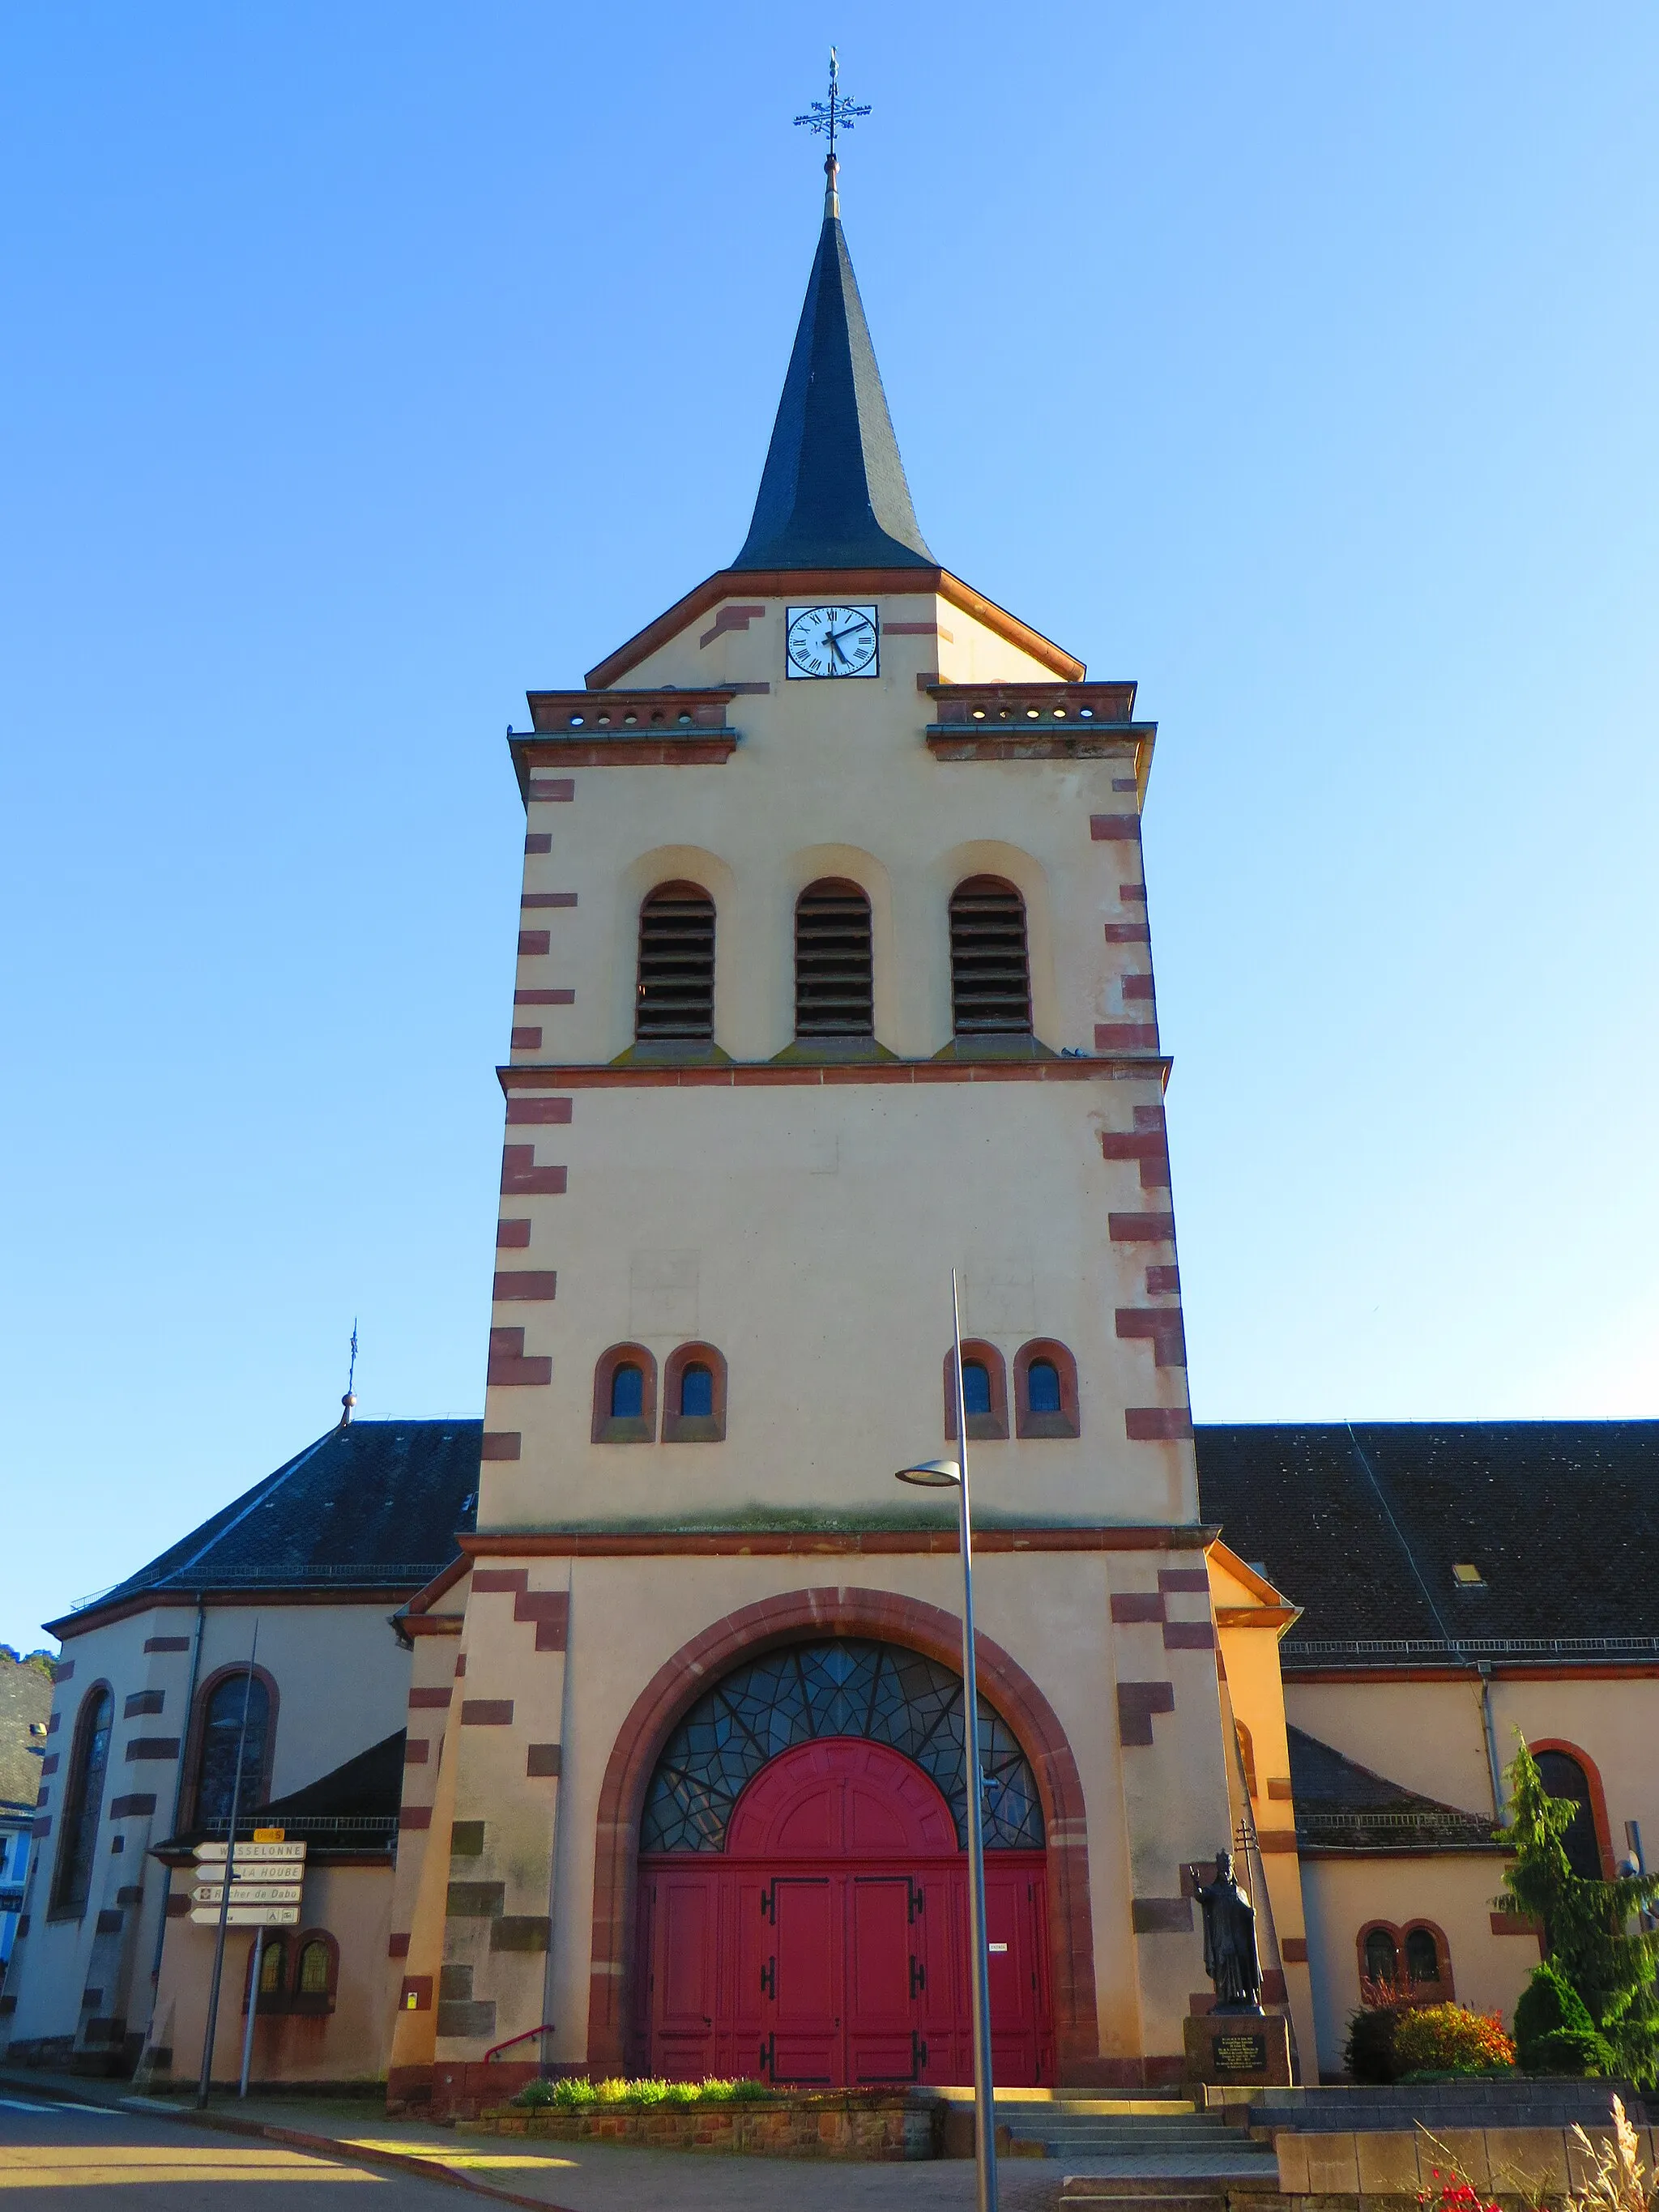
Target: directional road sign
(247, 1892)
(248, 1915)
(247, 1854)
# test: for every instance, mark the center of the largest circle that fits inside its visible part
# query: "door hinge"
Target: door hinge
(918, 1975)
(918, 2055)
(769, 1977)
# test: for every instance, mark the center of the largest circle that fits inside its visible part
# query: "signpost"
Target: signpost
(266, 1877)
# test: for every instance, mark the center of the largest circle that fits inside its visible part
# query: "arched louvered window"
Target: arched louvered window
(627, 1393)
(990, 974)
(83, 1802)
(833, 988)
(675, 998)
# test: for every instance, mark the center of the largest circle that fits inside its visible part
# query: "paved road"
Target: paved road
(73, 2158)
(60, 2157)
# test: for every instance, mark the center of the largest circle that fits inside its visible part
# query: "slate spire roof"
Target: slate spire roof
(833, 493)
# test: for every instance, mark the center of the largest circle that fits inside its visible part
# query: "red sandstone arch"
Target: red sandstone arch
(885, 1617)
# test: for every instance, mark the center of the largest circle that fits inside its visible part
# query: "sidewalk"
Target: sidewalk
(579, 2177)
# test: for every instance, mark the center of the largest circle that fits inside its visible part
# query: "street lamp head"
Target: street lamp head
(932, 1474)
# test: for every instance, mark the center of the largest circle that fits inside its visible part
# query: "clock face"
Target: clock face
(832, 641)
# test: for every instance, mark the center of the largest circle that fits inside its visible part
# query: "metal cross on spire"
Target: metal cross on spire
(829, 115)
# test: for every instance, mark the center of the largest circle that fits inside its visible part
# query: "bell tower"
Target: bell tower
(834, 973)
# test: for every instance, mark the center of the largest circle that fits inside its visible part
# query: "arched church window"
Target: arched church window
(83, 1802)
(976, 1388)
(627, 1393)
(1382, 1956)
(834, 987)
(222, 1733)
(1422, 1956)
(990, 973)
(273, 1967)
(843, 1686)
(1563, 1775)
(674, 996)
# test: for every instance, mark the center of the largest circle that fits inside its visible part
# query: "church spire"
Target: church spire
(833, 493)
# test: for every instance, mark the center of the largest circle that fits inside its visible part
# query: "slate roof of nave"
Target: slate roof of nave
(1361, 1525)
(378, 1502)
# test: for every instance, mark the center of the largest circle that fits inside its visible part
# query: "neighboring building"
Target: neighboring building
(143, 1728)
(25, 1705)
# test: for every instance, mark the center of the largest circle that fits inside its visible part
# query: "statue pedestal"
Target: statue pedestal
(1250, 2049)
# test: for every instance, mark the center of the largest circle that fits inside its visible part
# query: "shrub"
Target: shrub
(1449, 2038)
(1553, 2029)
(1369, 2052)
(572, 2093)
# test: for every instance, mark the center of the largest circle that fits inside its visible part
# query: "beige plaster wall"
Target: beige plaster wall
(351, 1903)
(1454, 1889)
(808, 1234)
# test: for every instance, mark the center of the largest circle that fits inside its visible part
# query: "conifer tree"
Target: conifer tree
(1584, 1923)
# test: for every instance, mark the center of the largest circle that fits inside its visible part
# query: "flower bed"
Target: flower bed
(740, 2118)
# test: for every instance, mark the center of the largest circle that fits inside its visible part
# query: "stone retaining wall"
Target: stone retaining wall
(1529, 2165)
(837, 2124)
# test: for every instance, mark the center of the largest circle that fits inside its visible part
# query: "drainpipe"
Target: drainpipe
(178, 1794)
(1499, 1809)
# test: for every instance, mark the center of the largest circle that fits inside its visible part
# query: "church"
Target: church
(626, 1725)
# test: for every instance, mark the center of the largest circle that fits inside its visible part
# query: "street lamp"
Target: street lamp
(952, 1475)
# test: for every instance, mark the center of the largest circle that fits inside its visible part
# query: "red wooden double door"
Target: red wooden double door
(828, 1943)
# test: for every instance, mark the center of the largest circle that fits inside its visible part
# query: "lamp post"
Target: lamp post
(952, 1475)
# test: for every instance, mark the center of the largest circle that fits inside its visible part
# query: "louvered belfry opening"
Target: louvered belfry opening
(990, 975)
(675, 994)
(833, 987)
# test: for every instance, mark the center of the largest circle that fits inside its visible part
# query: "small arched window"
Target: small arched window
(674, 999)
(1382, 1956)
(1045, 1391)
(1422, 1956)
(83, 1802)
(222, 1733)
(627, 1392)
(625, 1396)
(694, 1395)
(1563, 1775)
(834, 986)
(984, 1390)
(990, 973)
(273, 1974)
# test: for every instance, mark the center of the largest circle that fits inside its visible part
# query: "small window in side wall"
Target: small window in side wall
(625, 1396)
(984, 1388)
(316, 1973)
(1422, 1956)
(1382, 1956)
(674, 1000)
(1045, 1391)
(694, 1395)
(273, 1974)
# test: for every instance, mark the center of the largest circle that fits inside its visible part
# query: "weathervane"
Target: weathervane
(829, 115)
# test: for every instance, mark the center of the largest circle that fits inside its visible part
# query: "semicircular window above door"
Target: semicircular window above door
(841, 1686)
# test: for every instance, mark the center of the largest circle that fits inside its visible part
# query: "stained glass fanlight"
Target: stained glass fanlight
(839, 1687)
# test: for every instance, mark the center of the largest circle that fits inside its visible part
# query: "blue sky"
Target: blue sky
(365, 366)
